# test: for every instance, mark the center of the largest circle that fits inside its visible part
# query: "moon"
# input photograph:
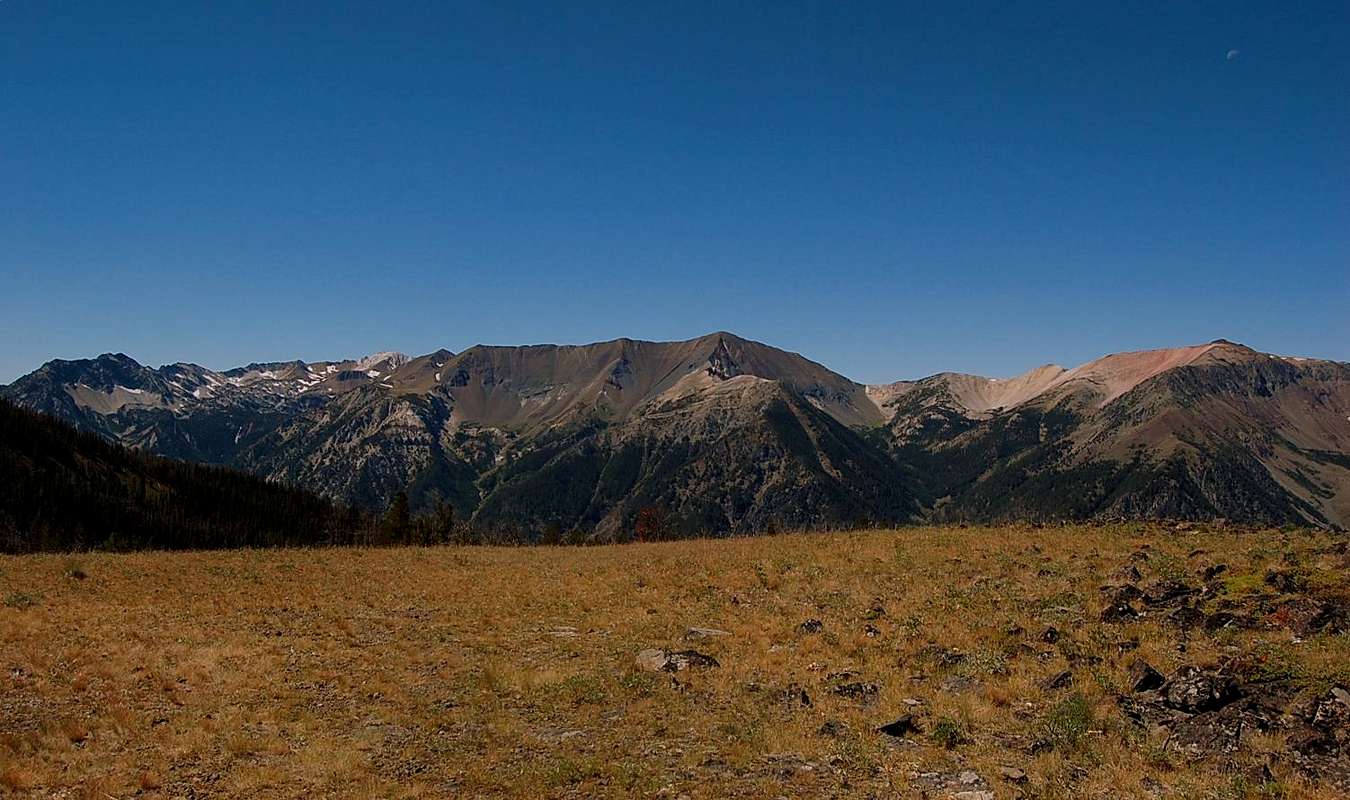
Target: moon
(1232, 54)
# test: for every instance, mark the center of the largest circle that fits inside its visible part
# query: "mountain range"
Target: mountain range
(721, 434)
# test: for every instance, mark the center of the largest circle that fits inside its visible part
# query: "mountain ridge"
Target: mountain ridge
(503, 432)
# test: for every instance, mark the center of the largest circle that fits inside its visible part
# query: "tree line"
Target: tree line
(64, 489)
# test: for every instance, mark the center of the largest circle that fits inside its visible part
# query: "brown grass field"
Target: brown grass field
(498, 672)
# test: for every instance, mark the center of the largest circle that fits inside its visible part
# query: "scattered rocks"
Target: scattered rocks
(1167, 592)
(964, 785)
(871, 631)
(943, 657)
(1287, 581)
(1186, 617)
(1143, 677)
(811, 626)
(862, 692)
(793, 695)
(1223, 620)
(1213, 572)
(1306, 616)
(656, 660)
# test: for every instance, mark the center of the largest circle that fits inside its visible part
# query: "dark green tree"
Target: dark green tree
(397, 524)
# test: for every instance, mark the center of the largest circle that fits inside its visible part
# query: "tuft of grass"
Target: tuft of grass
(948, 733)
(22, 600)
(1067, 723)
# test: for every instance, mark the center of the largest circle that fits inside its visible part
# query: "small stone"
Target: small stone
(1057, 681)
(1119, 612)
(1050, 635)
(1013, 775)
(651, 660)
(656, 660)
(684, 659)
(704, 633)
(811, 626)
(969, 778)
(900, 727)
(1167, 592)
(1143, 677)
(1128, 573)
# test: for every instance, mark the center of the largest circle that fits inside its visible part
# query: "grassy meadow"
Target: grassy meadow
(510, 672)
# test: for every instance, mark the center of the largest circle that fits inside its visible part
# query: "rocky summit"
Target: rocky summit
(721, 434)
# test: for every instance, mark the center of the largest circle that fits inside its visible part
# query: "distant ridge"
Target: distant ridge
(723, 434)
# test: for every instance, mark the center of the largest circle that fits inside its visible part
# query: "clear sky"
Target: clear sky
(892, 189)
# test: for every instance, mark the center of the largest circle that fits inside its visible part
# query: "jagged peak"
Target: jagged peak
(390, 357)
(721, 364)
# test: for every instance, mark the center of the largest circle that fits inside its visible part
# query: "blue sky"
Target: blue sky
(891, 189)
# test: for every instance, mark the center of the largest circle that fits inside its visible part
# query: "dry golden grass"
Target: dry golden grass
(487, 672)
